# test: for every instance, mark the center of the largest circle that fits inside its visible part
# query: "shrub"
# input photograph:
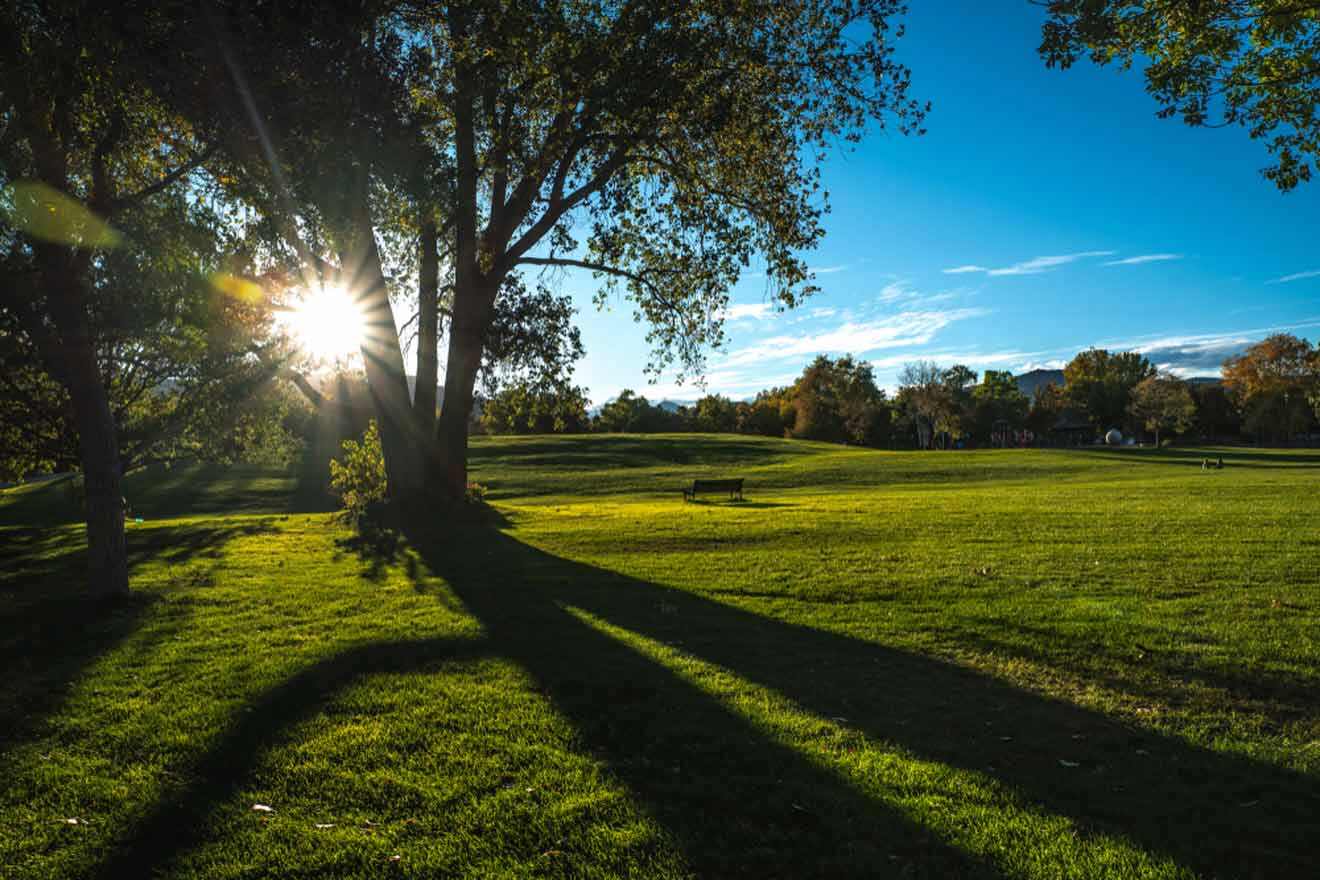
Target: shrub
(359, 478)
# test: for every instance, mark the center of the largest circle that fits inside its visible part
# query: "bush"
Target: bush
(359, 479)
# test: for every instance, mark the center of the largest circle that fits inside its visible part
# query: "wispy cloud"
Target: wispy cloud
(1200, 354)
(909, 328)
(896, 290)
(827, 270)
(911, 298)
(1296, 276)
(1037, 265)
(1144, 258)
(1034, 266)
(1012, 359)
(756, 311)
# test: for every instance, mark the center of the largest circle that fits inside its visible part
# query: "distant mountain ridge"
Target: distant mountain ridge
(1029, 381)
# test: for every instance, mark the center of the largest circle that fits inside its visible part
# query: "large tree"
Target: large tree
(838, 401)
(1254, 64)
(1163, 403)
(85, 154)
(1274, 383)
(1101, 382)
(661, 145)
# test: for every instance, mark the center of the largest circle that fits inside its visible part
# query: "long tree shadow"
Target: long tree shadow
(1280, 697)
(691, 759)
(178, 823)
(738, 802)
(51, 632)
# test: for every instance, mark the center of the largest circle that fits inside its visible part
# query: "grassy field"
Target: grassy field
(993, 664)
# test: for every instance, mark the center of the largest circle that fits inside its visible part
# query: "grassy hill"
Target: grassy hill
(992, 664)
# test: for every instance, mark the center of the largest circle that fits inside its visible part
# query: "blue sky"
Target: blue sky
(1073, 216)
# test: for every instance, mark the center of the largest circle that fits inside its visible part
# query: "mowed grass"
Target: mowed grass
(1037, 664)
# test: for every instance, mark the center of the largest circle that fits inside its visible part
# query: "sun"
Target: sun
(327, 323)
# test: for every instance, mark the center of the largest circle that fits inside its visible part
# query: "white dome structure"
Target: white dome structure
(1114, 437)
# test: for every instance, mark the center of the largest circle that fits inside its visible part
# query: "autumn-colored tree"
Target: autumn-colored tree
(1274, 382)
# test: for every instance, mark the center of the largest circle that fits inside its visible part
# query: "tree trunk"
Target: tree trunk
(400, 443)
(467, 331)
(70, 355)
(98, 446)
(428, 329)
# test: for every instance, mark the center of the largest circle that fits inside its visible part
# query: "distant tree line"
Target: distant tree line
(1269, 394)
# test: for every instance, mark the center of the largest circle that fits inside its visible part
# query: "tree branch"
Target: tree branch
(165, 182)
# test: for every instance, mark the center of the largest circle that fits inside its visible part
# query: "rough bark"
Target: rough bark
(107, 556)
(472, 309)
(74, 355)
(428, 328)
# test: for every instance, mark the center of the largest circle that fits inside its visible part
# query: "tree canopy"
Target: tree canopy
(1254, 64)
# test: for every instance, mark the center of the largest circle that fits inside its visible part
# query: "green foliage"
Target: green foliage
(1248, 63)
(770, 414)
(633, 414)
(359, 477)
(1048, 404)
(997, 400)
(838, 401)
(715, 414)
(524, 408)
(1163, 404)
(1100, 383)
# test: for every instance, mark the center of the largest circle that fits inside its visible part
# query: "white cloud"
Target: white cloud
(757, 311)
(1037, 265)
(1296, 276)
(827, 270)
(1144, 258)
(1011, 359)
(1034, 266)
(1199, 354)
(896, 290)
(824, 312)
(854, 337)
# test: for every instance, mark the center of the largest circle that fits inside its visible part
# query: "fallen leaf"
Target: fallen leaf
(324, 825)
(262, 808)
(1063, 763)
(72, 821)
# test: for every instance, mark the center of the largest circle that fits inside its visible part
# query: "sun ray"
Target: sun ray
(327, 323)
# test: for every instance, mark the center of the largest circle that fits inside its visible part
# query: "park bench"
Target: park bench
(733, 487)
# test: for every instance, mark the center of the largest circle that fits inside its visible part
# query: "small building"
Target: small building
(1072, 428)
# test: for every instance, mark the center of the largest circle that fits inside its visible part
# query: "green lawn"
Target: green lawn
(992, 664)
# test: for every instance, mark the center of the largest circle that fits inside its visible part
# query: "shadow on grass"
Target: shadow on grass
(1277, 697)
(739, 802)
(50, 632)
(690, 758)
(1245, 457)
(749, 505)
(178, 823)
